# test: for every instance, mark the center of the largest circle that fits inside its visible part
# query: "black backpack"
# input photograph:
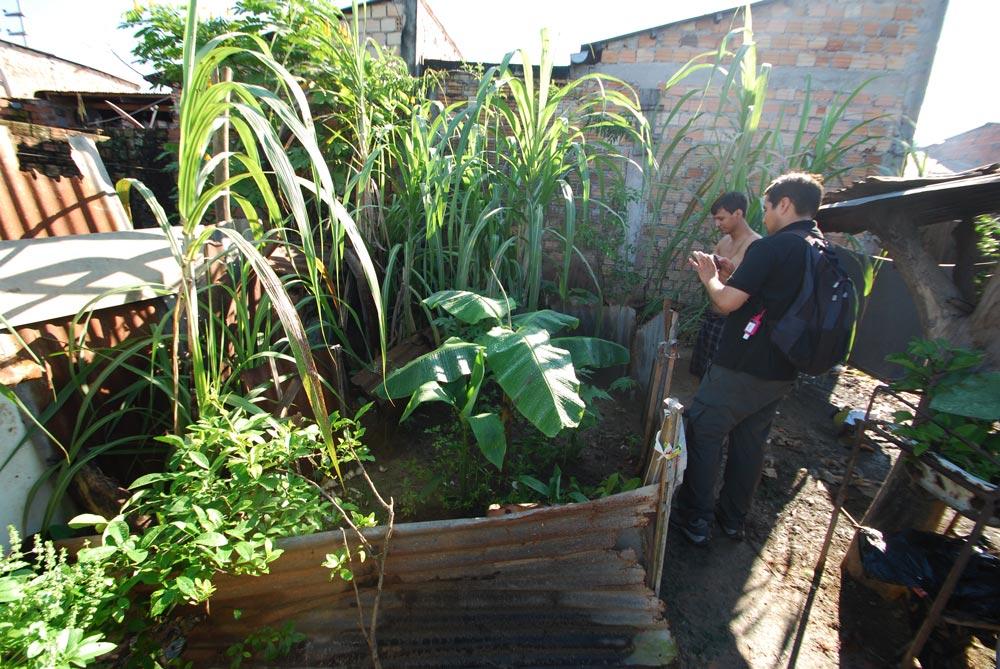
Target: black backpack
(817, 331)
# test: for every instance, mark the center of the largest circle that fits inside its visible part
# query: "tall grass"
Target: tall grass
(483, 187)
(194, 359)
(737, 147)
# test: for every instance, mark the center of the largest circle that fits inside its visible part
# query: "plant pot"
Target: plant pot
(968, 498)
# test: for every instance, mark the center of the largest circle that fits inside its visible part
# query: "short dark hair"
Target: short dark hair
(804, 190)
(730, 201)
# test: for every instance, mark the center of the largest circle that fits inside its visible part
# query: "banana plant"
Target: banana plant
(536, 372)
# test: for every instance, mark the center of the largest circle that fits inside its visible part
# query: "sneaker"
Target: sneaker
(733, 532)
(698, 531)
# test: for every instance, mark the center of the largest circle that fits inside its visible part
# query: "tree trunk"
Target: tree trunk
(985, 321)
(938, 301)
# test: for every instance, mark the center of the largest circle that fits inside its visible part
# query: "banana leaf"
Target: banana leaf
(488, 430)
(593, 352)
(469, 307)
(452, 360)
(537, 376)
(545, 319)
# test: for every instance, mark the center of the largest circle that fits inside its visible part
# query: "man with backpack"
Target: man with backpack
(751, 371)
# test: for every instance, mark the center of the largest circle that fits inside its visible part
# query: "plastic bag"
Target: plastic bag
(922, 560)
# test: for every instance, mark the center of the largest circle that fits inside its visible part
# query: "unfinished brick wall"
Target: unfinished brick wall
(979, 146)
(837, 45)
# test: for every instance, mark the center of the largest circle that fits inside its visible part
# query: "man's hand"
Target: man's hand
(726, 267)
(725, 299)
(704, 264)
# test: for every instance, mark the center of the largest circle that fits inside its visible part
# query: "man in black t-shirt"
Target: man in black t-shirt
(741, 390)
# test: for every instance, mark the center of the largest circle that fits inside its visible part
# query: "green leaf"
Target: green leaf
(117, 529)
(976, 396)
(147, 479)
(88, 519)
(545, 319)
(534, 484)
(538, 377)
(451, 361)
(186, 586)
(488, 430)
(213, 539)
(96, 554)
(199, 459)
(428, 392)
(592, 352)
(469, 307)
(10, 590)
(91, 648)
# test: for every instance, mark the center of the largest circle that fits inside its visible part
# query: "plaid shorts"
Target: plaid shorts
(707, 342)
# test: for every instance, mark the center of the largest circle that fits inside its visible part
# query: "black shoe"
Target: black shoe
(731, 531)
(697, 532)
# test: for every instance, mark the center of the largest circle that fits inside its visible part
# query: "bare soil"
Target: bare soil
(747, 604)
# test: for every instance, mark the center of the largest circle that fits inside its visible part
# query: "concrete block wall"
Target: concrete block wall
(383, 23)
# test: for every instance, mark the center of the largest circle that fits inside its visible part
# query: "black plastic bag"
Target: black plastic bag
(922, 560)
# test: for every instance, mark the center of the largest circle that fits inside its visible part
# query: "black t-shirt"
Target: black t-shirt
(771, 272)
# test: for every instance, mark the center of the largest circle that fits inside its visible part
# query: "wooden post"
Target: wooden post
(651, 415)
(658, 470)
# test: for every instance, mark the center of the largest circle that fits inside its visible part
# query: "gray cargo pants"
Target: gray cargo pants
(740, 406)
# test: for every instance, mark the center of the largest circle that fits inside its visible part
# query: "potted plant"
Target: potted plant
(955, 422)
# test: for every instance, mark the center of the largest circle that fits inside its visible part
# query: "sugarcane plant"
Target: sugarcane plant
(206, 106)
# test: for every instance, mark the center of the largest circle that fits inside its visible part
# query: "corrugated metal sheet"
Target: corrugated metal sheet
(923, 201)
(557, 586)
(34, 203)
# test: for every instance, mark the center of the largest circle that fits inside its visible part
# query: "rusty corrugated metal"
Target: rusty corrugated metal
(556, 586)
(924, 201)
(34, 203)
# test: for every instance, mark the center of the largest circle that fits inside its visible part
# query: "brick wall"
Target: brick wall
(980, 146)
(835, 44)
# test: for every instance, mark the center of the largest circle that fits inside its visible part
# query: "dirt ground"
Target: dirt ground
(747, 604)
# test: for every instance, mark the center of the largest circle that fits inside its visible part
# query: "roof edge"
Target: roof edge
(72, 62)
(598, 45)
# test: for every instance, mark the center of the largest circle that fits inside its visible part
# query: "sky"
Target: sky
(959, 97)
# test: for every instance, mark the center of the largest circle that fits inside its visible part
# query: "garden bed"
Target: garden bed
(561, 586)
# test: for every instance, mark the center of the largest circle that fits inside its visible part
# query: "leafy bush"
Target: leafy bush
(961, 405)
(233, 485)
(52, 609)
